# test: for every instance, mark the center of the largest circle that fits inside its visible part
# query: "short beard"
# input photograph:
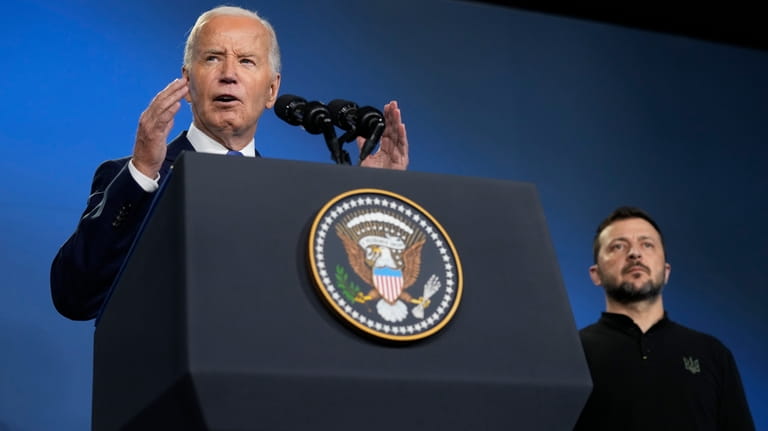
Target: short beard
(626, 293)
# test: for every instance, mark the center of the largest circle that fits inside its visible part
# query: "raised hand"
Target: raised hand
(393, 147)
(155, 123)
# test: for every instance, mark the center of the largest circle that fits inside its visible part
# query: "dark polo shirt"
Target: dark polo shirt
(669, 378)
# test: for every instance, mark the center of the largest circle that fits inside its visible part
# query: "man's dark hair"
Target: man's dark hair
(622, 213)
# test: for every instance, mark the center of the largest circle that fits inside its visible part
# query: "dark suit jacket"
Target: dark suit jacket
(86, 265)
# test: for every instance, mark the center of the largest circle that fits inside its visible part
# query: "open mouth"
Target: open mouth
(225, 98)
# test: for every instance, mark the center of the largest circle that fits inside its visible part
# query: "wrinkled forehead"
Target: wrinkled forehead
(233, 33)
(631, 228)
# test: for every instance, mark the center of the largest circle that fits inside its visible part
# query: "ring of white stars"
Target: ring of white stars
(440, 303)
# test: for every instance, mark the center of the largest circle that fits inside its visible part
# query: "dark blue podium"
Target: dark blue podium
(215, 323)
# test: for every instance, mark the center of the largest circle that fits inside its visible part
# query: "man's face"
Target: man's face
(231, 80)
(630, 262)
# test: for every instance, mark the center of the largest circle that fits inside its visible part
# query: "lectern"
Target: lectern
(216, 323)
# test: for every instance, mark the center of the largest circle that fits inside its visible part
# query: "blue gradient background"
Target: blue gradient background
(594, 115)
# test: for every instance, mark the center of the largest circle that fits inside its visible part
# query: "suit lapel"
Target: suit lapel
(175, 148)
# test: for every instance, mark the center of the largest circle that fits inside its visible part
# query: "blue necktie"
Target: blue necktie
(234, 153)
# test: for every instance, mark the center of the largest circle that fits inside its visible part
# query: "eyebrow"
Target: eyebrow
(641, 237)
(219, 51)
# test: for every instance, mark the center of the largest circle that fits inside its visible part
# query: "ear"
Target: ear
(594, 274)
(185, 75)
(667, 271)
(274, 87)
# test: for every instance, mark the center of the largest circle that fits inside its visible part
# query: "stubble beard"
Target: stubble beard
(626, 292)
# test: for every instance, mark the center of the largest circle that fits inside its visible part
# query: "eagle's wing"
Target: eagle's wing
(356, 258)
(412, 264)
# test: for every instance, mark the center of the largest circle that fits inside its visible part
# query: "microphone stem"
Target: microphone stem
(371, 142)
(337, 154)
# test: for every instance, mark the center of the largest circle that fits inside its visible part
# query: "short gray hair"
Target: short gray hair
(194, 33)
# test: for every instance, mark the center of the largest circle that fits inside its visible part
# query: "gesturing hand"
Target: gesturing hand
(155, 123)
(393, 149)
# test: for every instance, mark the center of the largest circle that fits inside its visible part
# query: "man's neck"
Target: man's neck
(644, 313)
(231, 141)
(203, 143)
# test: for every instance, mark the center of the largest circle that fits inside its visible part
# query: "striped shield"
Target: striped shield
(388, 282)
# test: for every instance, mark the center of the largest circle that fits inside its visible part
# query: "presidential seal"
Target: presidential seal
(385, 265)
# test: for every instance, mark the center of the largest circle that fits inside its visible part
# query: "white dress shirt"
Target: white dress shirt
(202, 143)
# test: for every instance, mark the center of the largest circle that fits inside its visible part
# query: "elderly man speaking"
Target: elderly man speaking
(230, 76)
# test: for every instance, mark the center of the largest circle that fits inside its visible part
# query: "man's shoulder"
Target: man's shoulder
(114, 163)
(691, 335)
(108, 169)
(591, 329)
(596, 332)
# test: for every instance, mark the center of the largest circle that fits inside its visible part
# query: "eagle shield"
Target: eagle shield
(388, 282)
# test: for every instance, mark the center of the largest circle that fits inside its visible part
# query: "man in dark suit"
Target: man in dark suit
(230, 76)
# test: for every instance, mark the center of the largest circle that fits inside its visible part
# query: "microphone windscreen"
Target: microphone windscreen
(343, 113)
(315, 116)
(368, 118)
(287, 107)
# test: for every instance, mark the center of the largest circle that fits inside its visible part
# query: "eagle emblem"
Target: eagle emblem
(385, 265)
(385, 252)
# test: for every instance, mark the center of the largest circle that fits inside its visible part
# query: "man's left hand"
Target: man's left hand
(393, 147)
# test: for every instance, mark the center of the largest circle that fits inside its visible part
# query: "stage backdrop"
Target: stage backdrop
(595, 115)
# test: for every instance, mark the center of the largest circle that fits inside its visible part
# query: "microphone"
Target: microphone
(344, 116)
(368, 120)
(370, 125)
(343, 113)
(316, 118)
(290, 108)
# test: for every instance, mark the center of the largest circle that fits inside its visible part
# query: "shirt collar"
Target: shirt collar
(203, 143)
(625, 323)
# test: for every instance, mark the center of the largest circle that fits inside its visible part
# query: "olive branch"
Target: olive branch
(348, 288)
